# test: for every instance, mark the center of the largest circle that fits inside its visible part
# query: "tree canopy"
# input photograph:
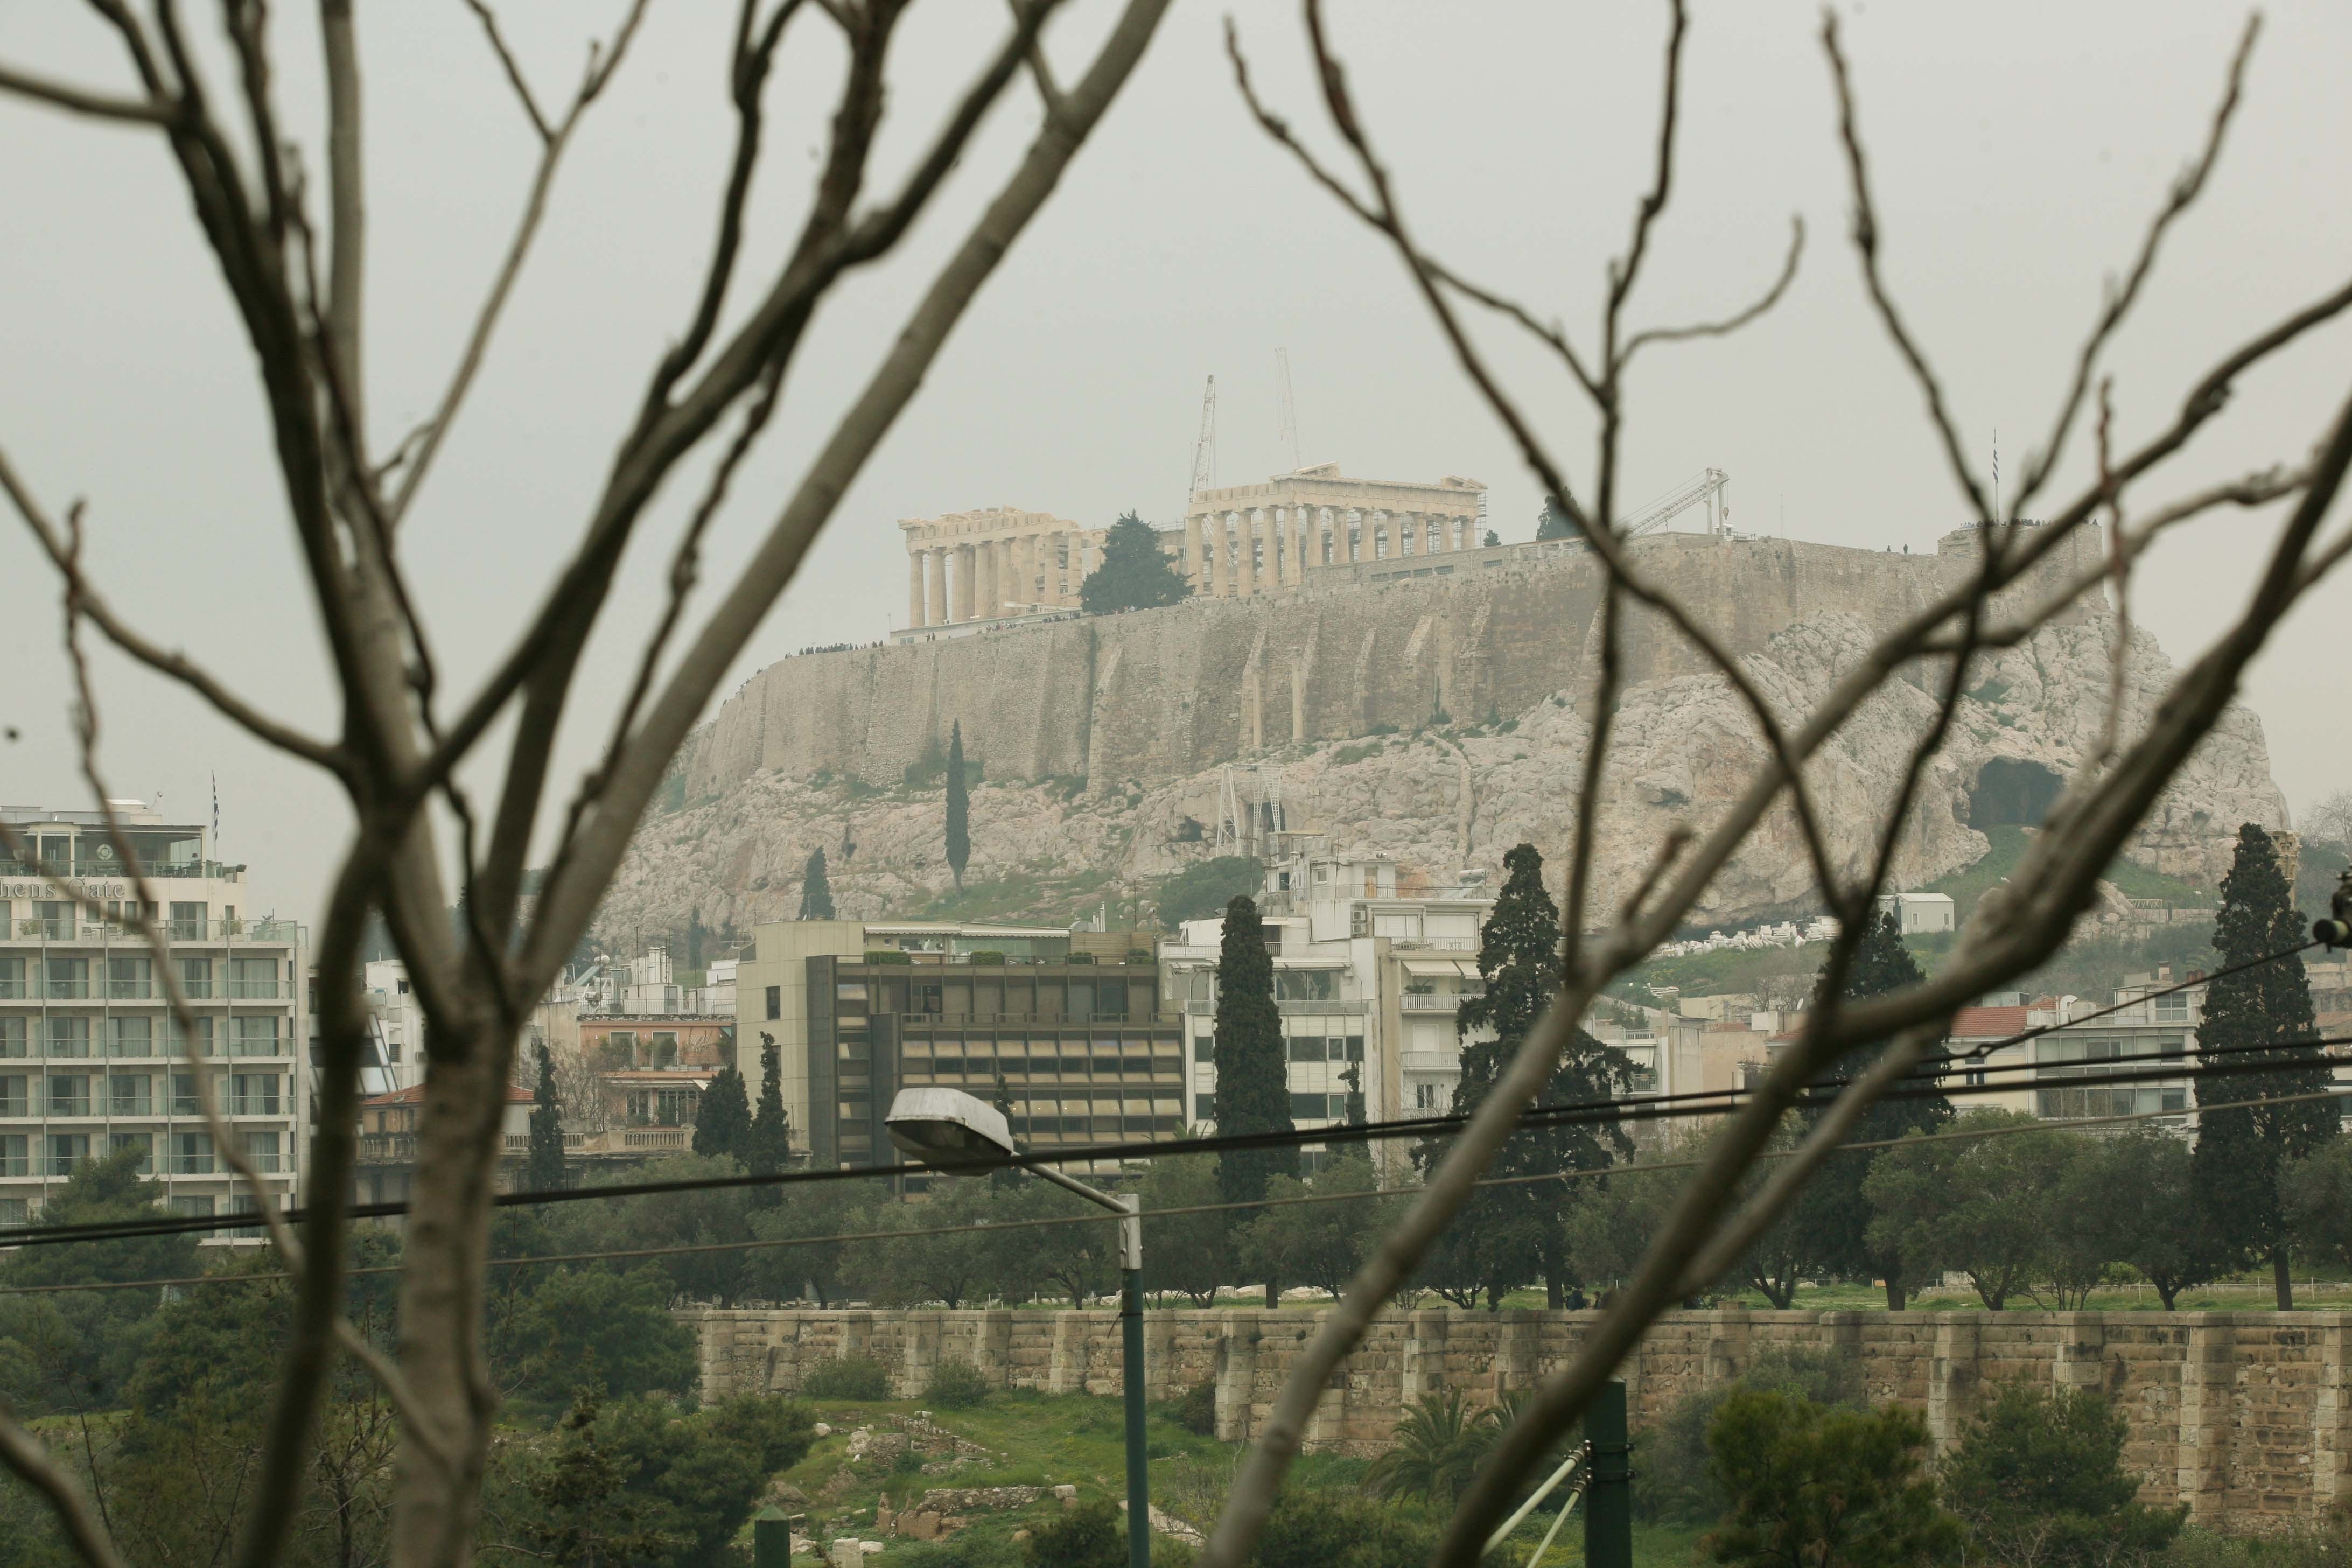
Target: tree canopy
(722, 1124)
(959, 806)
(2243, 1153)
(816, 891)
(1134, 572)
(546, 1170)
(1253, 1073)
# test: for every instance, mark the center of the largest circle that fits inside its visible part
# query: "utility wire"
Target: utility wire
(2101, 1073)
(2176, 1068)
(1629, 1108)
(768, 1244)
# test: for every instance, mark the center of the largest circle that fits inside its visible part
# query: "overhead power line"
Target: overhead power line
(1632, 1108)
(1094, 1217)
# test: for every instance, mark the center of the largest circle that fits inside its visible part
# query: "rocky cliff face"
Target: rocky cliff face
(1055, 826)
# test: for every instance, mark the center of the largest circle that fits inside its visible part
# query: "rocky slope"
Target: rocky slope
(1450, 795)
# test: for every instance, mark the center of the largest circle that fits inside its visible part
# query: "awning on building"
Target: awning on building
(1431, 968)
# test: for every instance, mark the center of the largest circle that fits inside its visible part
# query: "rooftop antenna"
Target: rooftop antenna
(1289, 407)
(1204, 448)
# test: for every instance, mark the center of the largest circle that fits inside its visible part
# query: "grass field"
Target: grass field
(1076, 1439)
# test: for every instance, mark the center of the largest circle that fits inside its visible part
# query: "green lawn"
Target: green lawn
(1077, 1439)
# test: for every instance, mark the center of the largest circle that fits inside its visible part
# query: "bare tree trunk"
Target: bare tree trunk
(436, 1494)
(2283, 1278)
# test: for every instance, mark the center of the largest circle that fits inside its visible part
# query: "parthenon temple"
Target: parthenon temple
(1260, 539)
(987, 565)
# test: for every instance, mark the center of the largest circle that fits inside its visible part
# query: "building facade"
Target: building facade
(860, 1009)
(384, 1168)
(1258, 539)
(995, 564)
(92, 1061)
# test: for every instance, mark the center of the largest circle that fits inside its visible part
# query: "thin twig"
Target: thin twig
(82, 100)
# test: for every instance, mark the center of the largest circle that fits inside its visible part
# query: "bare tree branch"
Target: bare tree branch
(82, 100)
(2185, 190)
(176, 666)
(31, 1461)
(555, 140)
(508, 63)
(1732, 323)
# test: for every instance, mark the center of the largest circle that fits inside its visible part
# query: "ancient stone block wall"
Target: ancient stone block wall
(2247, 1416)
(1159, 695)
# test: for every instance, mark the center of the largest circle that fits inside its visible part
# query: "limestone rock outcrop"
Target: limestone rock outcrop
(1439, 723)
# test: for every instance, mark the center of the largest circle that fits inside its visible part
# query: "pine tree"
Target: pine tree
(816, 891)
(1134, 572)
(2241, 1153)
(1506, 1230)
(1823, 1233)
(958, 807)
(1253, 1073)
(722, 1123)
(544, 1170)
(1552, 523)
(769, 1143)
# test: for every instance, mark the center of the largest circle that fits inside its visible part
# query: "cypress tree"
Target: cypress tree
(2241, 1153)
(722, 1124)
(816, 891)
(1134, 572)
(769, 1143)
(1253, 1075)
(1510, 1233)
(544, 1170)
(958, 807)
(1823, 1231)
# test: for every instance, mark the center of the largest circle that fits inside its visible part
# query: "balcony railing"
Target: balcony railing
(1441, 1003)
(657, 1138)
(117, 935)
(387, 1148)
(991, 1019)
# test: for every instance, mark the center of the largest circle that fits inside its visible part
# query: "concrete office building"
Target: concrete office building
(90, 1059)
(1065, 1026)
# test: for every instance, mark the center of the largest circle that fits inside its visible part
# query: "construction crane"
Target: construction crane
(1289, 433)
(1204, 448)
(1708, 488)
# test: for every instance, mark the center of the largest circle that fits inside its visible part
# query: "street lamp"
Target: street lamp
(946, 1128)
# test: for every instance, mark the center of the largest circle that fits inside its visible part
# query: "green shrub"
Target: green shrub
(888, 956)
(956, 1385)
(985, 955)
(1677, 1486)
(851, 1377)
(1318, 1528)
(1086, 1536)
(1814, 1483)
(2039, 1480)
(1197, 1410)
(967, 1550)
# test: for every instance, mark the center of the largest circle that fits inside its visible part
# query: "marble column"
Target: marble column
(914, 587)
(1244, 552)
(1279, 546)
(935, 576)
(1195, 568)
(964, 569)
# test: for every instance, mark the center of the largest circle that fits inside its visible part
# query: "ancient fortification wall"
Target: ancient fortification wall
(2247, 1416)
(1159, 695)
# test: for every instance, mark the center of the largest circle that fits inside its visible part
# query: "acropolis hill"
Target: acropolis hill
(1433, 717)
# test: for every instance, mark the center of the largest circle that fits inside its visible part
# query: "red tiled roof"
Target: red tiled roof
(1988, 1023)
(414, 1095)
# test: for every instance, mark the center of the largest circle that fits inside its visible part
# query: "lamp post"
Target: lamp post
(945, 1128)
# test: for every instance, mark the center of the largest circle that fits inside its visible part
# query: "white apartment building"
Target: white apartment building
(91, 1061)
(1371, 962)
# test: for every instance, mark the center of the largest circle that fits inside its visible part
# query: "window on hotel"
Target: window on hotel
(15, 1100)
(253, 978)
(130, 979)
(197, 976)
(130, 1094)
(69, 1035)
(256, 1036)
(13, 1038)
(192, 1155)
(775, 1001)
(130, 1037)
(12, 975)
(70, 1094)
(67, 1150)
(16, 1159)
(69, 978)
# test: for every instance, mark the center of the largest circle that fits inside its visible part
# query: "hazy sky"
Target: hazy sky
(2017, 149)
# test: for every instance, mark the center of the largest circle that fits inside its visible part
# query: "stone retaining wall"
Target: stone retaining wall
(2246, 1416)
